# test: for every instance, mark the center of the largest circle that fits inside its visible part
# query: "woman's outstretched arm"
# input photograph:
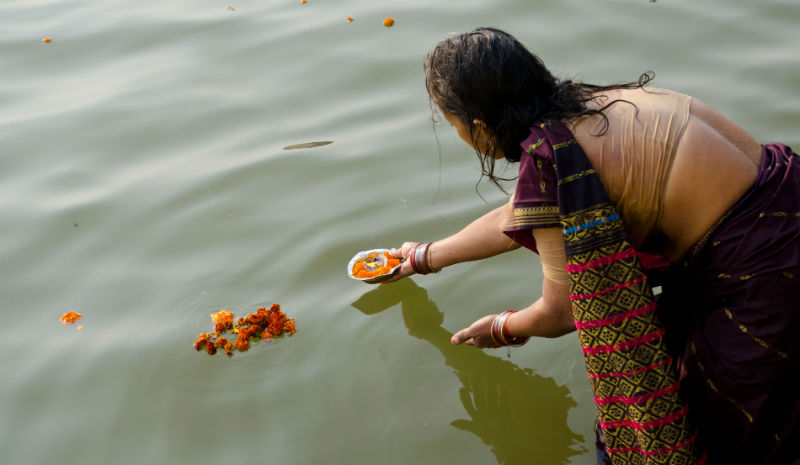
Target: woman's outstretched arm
(549, 316)
(483, 238)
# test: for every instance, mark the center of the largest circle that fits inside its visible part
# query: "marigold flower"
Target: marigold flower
(211, 348)
(263, 323)
(70, 317)
(361, 270)
(222, 316)
(242, 346)
(201, 341)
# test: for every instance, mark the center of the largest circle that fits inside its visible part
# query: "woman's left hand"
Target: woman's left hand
(479, 334)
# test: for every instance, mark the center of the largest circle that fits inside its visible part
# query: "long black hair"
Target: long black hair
(488, 75)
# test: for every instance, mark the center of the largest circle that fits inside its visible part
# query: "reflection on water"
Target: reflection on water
(521, 416)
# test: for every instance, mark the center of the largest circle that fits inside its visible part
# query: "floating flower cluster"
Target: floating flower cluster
(70, 317)
(374, 264)
(263, 324)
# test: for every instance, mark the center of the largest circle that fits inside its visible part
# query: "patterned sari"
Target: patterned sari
(641, 412)
(721, 338)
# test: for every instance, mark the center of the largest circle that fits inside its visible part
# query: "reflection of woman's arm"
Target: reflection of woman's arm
(480, 239)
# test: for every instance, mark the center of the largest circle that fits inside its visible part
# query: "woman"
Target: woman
(621, 188)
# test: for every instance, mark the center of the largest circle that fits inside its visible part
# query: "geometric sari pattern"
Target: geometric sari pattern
(635, 383)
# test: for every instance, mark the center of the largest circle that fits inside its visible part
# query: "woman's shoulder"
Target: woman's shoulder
(640, 107)
(642, 98)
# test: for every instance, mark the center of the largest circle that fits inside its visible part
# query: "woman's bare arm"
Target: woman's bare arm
(480, 239)
(550, 316)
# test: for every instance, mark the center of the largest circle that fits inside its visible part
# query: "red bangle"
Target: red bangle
(496, 332)
(420, 258)
(500, 334)
(413, 260)
(514, 341)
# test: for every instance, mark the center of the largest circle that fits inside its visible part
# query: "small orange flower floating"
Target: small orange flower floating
(373, 266)
(263, 324)
(388, 22)
(47, 40)
(223, 321)
(70, 317)
(349, 19)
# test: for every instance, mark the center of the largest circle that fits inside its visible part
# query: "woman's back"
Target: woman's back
(672, 165)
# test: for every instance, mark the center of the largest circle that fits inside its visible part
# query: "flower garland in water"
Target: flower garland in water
(263, 324)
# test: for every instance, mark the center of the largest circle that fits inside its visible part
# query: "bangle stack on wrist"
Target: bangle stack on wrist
(500, 334)
(420, 258)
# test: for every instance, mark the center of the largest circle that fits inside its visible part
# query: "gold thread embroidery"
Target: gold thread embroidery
(715, 389)
(778, 214)
(575, 177)
(564, 144)
(755, 338)
(535, 145)
(542, 184)
(536, 211)
(740, 277)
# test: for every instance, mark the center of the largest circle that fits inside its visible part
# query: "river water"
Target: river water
(144, 184)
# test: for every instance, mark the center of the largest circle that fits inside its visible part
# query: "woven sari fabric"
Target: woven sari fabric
(642, 415)
(736, 306)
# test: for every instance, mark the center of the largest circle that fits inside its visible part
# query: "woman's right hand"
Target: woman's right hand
(403, 252)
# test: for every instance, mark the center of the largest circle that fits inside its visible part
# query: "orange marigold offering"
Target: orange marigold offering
(47, 40)
(223, 321)
(373, 266)
(70, 317)
(388, 22)
(263, 324)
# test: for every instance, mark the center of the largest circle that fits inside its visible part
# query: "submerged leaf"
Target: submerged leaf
(308, 145)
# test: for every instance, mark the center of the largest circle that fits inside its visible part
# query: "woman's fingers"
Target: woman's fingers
(405, 268)
(462, 336)
(404, 251)
(478, 334)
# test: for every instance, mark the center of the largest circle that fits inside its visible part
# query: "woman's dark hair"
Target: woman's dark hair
(486, 74)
